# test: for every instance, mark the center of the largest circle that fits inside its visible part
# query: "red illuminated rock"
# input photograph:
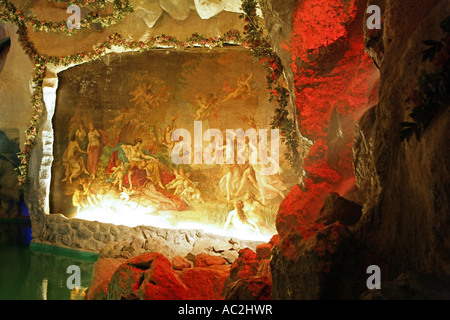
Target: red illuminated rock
(275, 240)
(205, 283)
(161, 283)
(206, 260)
(180, 263)
(334, 81)
(249, 279)
(264, 251)
(147, 276)
(293, 211)
(103, 270)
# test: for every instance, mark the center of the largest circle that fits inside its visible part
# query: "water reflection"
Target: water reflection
(31, 275)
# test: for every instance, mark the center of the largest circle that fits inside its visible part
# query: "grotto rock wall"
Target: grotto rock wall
(401, 187)
(332, 82)
(406, 213)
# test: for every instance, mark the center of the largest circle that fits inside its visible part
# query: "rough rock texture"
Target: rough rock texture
(180, 263)
(206, 260)
(406, 213)
(332, 264)
(401, 186)
(112, 241)
(332, 81)
(250, 277)
(103, 270)
(15, 76)
(151, 276)
(339, 209)
(409, 286)
(205, 283)
(9, 194)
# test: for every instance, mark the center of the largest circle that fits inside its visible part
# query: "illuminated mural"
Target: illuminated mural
(120, 150)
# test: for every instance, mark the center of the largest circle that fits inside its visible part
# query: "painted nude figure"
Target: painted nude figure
(73, 161)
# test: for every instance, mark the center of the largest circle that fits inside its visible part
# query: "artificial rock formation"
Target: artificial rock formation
(332, 81)
(152, 276)
(401, 217)
(406, 210)
(350, 90)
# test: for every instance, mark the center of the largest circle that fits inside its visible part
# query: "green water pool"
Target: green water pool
(30, 272)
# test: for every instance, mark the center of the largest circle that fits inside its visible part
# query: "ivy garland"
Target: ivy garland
(262, 50)
(8, 14)
(99, 3)
(121, 9)
(254, 40)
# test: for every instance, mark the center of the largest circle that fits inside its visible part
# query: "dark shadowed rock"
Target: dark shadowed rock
(332, 264)
(249, 279)
(337, 208)
(408, 286)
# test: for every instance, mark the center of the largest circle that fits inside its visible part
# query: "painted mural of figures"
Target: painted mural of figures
(73, 162)
(157, 198)
(191, 192)
(178, 183)
(133, 158)
(93, 150)
(81, 136)
(205, 106)
(160, 200)
(248, 172)
(167, 140)
(118, 174)
(243, 90)
(240, 220)
(253, 207)
(269, 186)
(151, 167)
(229, 173)
(89, 195)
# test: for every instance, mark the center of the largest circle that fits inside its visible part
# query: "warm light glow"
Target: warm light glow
(132, 215)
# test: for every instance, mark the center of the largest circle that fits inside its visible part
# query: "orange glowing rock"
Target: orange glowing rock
(206, 260)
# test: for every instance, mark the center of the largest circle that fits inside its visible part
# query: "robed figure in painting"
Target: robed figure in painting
(142, 173)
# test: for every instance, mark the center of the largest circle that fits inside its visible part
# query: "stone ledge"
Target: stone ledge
(111, 240)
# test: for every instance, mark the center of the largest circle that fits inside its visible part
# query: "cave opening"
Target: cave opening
(284, 150)
(117, 143)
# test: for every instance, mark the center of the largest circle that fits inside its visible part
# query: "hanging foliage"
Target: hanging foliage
(434, 94)
(262, 50)
(9, 13)
(121, 9)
